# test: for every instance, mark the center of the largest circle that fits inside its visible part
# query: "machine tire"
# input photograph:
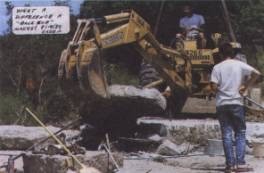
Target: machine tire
(147, 74)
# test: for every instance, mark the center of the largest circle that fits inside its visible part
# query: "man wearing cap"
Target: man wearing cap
(228, 81)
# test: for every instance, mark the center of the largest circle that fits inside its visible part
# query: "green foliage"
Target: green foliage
(30, 57)
(37, 57)
(260, 58)
(250, 22)
(12, 110)
(10, 106)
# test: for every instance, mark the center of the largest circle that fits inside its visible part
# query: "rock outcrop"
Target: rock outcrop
(118, 115)
(198, 131)
(39, 163)
(13, 137)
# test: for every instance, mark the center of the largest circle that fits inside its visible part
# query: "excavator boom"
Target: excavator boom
(81, 60)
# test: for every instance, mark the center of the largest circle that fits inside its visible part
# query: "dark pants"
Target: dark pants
(232, 118)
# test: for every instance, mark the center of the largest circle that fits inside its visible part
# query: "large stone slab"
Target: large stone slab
(18, 163)
(142, 95)
(169, 148)
(39, 163)
(117, 116)
(13, 137)
(198, 131)
(127, 102)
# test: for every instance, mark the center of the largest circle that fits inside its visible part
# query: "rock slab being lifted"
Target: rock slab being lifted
(142, 95)
(39, 163)
(127, 103)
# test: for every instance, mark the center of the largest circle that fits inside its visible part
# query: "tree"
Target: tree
(29, 62)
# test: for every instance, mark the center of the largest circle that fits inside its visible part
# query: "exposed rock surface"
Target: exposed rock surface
(127, 102)
(152, 94)
(169, 148)
(37, 163)
(18, 163)
(256, 115)
(155, 138)
(197, 105)
(119, 114)
(194, 164)
(198, 131)
(13, 137)
(203, 106)
(145, 130)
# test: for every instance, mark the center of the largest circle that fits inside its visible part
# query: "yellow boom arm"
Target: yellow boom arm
(83, 54)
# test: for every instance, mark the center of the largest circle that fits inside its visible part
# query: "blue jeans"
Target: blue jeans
(232, 118)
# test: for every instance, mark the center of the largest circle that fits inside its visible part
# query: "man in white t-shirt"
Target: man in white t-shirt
(228, 81)
(192, 25)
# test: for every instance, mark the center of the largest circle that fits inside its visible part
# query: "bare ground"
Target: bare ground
(194, 164)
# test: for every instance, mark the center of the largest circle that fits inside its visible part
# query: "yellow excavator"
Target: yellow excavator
(80, 69)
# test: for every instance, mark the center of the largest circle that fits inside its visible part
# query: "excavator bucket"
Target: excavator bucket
(91, 74)
(96, 75)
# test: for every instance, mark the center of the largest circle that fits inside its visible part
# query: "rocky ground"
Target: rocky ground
(172, 138)
(158, 146)
(193, 164)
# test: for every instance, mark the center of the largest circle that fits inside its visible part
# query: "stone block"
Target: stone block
(39, 163)
(14, 137)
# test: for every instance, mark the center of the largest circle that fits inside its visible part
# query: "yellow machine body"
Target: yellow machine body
(80, 62)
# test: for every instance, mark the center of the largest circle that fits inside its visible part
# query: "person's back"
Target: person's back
(229, 76)
(227, 80)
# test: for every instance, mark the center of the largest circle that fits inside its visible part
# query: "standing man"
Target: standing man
(227, 80)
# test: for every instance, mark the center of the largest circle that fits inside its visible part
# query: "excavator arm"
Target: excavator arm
(82, 58)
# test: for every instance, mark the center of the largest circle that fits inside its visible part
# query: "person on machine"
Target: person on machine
(192, 26)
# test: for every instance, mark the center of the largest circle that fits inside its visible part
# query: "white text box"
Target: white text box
(40, 20)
